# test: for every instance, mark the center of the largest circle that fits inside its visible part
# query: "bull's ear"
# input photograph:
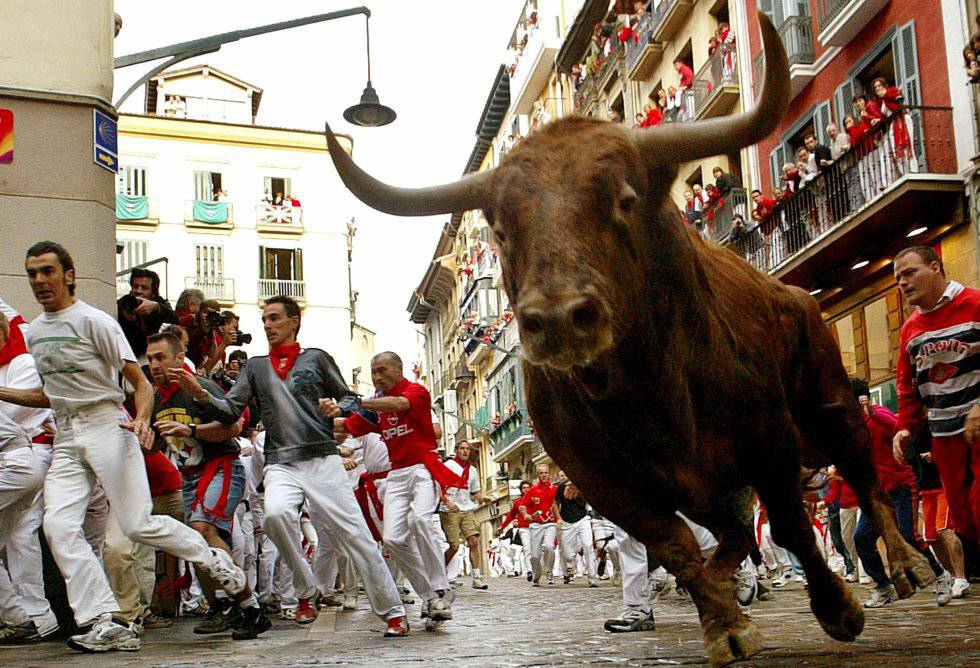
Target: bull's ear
(682, 142)
(470, 192)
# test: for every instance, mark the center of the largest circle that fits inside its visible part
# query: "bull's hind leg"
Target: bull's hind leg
(835, 428)
(835, 607)
(728, 634)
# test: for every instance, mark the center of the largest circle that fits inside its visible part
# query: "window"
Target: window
(131, 181)
(209, 261)
(206, 185)
(879, 340)
(844, 330)
(284, 264)
(275, 186)
(133, 254)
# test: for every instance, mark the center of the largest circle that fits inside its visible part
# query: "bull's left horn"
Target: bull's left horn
(467, 193)
(682, 142)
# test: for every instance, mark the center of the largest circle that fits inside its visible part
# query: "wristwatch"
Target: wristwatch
(193, 430)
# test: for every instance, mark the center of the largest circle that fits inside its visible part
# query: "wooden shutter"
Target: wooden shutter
(776, 160)
(894, 302)
(844, 96)
(298, 265)
(860, 344)
(263, 273)
(905, 56)
(821, 119)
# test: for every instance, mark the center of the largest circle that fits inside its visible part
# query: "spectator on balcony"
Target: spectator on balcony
(726, 41)
(220, 195)
(856, 133)
(293, 201)
(700, 197)
(143, 311)
(820, 156)
(807, 165)
(640, 121)
(970, 64)
(692, 210)
(674, 103)
(627, 33)
(639, 10)
(277, 200)
(724, 182)
(891, 101)
(762, 212)
(839, 142)
(654, 115)
(686, 74)
(791, 179)
(267, 197)
(869, 111)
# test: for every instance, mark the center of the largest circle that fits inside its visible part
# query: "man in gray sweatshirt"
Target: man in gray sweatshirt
(301, 460)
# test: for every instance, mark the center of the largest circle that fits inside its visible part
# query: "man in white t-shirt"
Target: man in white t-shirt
(456, 511)
(80, 353)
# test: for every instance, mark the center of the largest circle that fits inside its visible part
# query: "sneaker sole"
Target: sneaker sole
(100, 649)
(253, 633)
(639, 626)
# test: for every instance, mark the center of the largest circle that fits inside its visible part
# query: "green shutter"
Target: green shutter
(298, 265)
(844, 96)
(262, 269)
(821, 120)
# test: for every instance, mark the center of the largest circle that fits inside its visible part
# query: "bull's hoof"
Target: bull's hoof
(841, 617)
(910, 571)
(725, 647)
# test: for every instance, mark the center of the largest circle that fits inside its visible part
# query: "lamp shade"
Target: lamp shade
(370, 113)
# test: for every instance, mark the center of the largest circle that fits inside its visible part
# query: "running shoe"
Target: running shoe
(659, 583)
(943, 588)
(782, 579)
(851, 577)
(224, 614)
(397, 627)
(592, 583)
(228, 575)
(289, 614)
(551, 580)
(250, 623)
(746, 586)
(567, 578)
(20, 634)
(106, 635)
(634, 618)
(350, 603)
(456, 584)
(961, 588)
(881, 596)
(152, 620)
(478, 583)
(440, 608)
(306, 613)
(332, 600)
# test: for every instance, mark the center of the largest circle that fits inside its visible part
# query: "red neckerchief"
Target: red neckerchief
(15, 344)
(170, 389)
(283, 358)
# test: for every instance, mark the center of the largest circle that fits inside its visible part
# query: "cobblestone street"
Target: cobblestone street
(515, 625)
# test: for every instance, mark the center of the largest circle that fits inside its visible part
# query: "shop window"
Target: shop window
(844, 329)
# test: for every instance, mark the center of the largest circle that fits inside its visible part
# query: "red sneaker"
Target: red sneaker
(306, 612)
(397, 627)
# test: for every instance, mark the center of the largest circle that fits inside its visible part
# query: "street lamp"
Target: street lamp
(370, 113)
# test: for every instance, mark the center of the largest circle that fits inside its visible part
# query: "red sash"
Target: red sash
(367, 490)
(15, 344)
(220, 510)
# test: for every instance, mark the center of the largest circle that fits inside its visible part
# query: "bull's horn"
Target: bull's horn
(679, 143)
(467, 193)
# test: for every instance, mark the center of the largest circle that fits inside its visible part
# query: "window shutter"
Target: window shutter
(905, 55)
(765, 6)
(774, 165)
(121, 180)
(844, 96)
(267, 185)
(298, 265)
(262, 269)
(822, 120)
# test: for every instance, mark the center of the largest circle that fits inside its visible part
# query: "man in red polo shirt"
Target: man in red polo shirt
(404, 420)
(536, 507)
(523, 530)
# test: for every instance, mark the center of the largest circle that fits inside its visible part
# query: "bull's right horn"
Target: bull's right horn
(470, 192)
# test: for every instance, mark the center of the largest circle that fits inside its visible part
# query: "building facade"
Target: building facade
(210, 200)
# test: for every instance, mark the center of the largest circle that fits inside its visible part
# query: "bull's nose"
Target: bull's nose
(577, 318)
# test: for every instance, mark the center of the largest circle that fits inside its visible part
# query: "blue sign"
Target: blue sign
(104, 141)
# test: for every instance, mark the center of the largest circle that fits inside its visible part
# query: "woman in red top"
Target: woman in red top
(891, 103)
(654, 116)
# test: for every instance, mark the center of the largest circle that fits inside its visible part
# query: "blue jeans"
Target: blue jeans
(833, 521)
(865, 537)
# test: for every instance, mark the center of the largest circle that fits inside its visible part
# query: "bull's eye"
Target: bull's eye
(499, 236)
(626, 203)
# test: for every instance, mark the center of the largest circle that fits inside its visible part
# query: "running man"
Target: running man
(537, 507)
(80, 352)
(522, 526)
(574, 530)
(456, 514)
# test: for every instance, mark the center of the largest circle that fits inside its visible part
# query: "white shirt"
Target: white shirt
(21, 374)
(462, 498)
(80, 352)
(12, 435)
(375, 453)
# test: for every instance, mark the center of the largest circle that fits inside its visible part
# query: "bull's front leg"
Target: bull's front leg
(728, 634)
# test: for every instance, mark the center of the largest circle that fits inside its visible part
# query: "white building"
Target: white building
(241, 211)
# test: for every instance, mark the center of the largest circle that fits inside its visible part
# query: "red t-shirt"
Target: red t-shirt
(891, 474)
(408, 434)
(840, 491)
(541, 497)
(163, 476)
(514, 515)
(687, 76)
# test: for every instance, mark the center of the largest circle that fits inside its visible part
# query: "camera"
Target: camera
(242, 338)
(129, 303)
(225, 381)
(213, 319)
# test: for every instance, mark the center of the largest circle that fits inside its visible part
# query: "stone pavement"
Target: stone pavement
(514, 624)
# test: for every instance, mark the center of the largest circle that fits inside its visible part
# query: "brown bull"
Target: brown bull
(664, 373)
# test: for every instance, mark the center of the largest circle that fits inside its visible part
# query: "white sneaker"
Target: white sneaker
(634, 618)
(881, 596)
(226, 573)
(799, 578)
(782, 579)
(478, 583)
(350, 603)
(961, 588)
(106, 636)
(851, 577)
(47, 624)
(551, 580)
(865, 580)
(746, 586)
(943, 588)
(440, 608)
(659, 583)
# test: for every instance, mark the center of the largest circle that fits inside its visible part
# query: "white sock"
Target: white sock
(250, 602)
(477, 574)
(220, 593)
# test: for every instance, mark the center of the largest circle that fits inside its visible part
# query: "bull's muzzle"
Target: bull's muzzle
(564, 332)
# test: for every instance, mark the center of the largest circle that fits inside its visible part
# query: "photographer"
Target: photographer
(215, 332)
(143, 311)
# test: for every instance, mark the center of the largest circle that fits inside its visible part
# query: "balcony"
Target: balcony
(797, 35)
(219, 289)
(271, 287)
(718, 217)
(716, 84)
(279, 219)
(462, 376)
(668, 17)
(607, 70)
(642, 52)
(534, 66)
(137, 210)
(208, 215)
(874, 191)
(839, 21)
(584, 94)
(513, 432)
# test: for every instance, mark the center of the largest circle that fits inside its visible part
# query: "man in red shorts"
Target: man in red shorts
(935, 372)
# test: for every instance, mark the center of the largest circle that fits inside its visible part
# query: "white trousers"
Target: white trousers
(323, 484)
(525, 534)
(330, 561)
(410, 532)
(542, 539)
(90, 446)
(633, 560)
(21, 476)
(575, 537)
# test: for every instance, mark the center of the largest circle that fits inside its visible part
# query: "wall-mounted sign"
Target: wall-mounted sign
(6, 136)
(104, 144)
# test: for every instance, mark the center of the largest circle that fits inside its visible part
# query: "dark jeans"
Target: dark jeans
(865, 537)
(833, 521)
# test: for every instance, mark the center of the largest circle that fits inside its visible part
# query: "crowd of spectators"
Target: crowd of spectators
(705, 206)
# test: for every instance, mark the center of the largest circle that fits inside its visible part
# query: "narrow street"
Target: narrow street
(515, 625)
